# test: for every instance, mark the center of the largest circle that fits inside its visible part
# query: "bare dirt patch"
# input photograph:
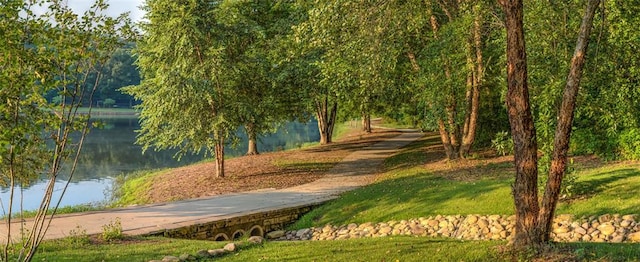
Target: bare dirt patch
(268, 170)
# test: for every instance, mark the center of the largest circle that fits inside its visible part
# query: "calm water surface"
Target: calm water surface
(110, 151)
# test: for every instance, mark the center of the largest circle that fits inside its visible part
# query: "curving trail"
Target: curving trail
(355, 170)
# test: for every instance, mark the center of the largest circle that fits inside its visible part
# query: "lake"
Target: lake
(110, 151)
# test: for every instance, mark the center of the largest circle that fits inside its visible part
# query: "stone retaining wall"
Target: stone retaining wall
(605, 228)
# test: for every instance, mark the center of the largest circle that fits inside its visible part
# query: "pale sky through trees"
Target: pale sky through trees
(116, 7)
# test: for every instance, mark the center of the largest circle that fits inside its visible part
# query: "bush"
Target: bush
(112, 231)
(588, 141)
(629, 144)
(77, 238)
(108, 102)
(503, 143)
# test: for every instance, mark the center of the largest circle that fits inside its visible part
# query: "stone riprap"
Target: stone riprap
(604, 228)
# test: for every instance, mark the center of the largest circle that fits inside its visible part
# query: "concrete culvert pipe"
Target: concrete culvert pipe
(221, 237)
(256, 231)
(238, 234)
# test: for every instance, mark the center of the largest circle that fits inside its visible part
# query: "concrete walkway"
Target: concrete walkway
(356, 170)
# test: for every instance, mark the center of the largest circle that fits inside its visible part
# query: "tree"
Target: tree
(262, 103)
(533, 222)
(54, 52)
(206, 73)
(445, 48)
(186, 92)
(119, 72)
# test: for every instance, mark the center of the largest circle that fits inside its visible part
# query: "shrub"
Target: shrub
(629, 144)
(503, 143)
(109, 102)
(77, 237)
(112, 231)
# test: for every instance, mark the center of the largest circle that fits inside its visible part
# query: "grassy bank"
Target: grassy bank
(410, 190)
(400, 248)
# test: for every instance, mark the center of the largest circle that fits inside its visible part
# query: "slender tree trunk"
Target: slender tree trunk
(525, 190)
(446, 141)
(219, 154)
(326, 115)
(366, 123)
(450, 136)
(565, 120)
(477, 77)
(252, 136)
(332, 121)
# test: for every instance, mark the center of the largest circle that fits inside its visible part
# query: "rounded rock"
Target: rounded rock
(607, 228)
(230, 247)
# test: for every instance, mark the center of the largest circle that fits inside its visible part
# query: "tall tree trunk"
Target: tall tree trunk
(366, 123)
(450, 136)
(525, 187)
(565, 120)
(446, 141)
(332, 121)
(252, 148)
(219, 155)
(477, 77)
(326, 115)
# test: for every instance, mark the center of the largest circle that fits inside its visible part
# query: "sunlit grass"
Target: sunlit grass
(613, 189)
(145, 250)
(131, 189)
(409, 190)
(400, 248)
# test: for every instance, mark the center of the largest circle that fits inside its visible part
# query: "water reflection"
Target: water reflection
(110, 151)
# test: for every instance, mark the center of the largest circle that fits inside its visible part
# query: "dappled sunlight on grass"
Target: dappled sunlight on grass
(414, 193)
(611, 189)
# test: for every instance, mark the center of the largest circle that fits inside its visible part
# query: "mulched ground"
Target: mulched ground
(268, 170)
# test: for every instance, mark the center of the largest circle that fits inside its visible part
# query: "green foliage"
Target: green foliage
(49, 53)
(112, 231)
(108, 102)
(185, 95)
(594, 141)
(207, 72)
(629, 143)
(568, 188)
(77, 238)
(503, 143)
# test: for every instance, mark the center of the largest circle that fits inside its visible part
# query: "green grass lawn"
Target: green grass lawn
(400, 248)
(408, 190)
(149, 249)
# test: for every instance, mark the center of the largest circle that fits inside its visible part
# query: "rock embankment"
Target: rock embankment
(605, 228)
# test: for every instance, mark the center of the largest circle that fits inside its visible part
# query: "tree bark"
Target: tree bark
(326, 115)
(565, 120)
(446, 141)
(477, 77)
(450, 136)
(525, 190)
(219, 155)
(366, 123)
(252, 148)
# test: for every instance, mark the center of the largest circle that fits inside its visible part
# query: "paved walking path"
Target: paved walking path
(356, 170)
